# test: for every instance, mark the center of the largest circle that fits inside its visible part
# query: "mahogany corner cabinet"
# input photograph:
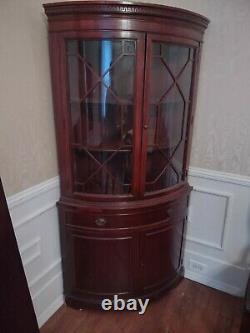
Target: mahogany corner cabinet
(124, 79)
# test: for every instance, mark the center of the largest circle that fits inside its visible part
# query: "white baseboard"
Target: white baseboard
(50, 310)
(217, 241)
(210, 282)
(218, 274)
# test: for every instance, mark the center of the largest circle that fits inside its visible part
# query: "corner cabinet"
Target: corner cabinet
(124, 79)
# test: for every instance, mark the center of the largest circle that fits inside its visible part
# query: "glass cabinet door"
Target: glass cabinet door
(169, 80)
(101, 75)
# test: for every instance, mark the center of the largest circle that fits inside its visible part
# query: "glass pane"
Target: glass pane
(101, 91)
(171, 114)
(159, 74)
(123, 88)
(103, 172)
(170, 82)
(175, 57)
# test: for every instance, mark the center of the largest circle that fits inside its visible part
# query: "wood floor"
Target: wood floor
(189, 308)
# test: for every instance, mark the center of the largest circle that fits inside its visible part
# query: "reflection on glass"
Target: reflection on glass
(103, 172)
(170, 81)
(101, 89)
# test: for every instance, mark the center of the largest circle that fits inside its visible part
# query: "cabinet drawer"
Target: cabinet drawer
(81, 217)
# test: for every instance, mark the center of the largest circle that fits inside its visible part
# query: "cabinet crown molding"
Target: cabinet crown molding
(53, 10)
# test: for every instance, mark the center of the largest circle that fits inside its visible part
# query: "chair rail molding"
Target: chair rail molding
(220, 176)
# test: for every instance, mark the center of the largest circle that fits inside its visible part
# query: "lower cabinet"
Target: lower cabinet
(140, 261)
(102, 264)
(162, 254)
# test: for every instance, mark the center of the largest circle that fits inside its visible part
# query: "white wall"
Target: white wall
(27, 134)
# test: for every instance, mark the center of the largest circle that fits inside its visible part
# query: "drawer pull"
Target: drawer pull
(100, 221)
(170, 211)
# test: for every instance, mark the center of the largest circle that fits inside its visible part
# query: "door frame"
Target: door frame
(150, 38)
(62, 115)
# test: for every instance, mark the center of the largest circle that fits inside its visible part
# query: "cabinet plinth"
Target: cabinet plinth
(124, 95)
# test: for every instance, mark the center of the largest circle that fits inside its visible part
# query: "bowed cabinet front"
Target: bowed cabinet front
(124, 84)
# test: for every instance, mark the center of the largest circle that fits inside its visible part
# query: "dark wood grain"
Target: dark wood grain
(16, 308)
(189, 308)
(245, 324)
(135, 236)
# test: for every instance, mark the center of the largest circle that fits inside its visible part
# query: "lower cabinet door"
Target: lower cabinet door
(162, 254)
(129, 262)
(99, 264)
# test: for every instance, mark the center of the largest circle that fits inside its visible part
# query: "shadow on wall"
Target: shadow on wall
(243, 262)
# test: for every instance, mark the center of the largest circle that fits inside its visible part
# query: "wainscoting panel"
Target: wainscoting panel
(217, 249)
(35, 221)
(216, 203)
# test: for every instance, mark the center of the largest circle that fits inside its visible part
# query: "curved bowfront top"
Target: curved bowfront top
(124, 8)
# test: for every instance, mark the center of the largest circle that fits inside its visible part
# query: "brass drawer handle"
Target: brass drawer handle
(100, 222)
(170, 211)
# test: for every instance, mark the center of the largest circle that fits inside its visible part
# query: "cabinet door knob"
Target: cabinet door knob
(170, 211)
(145, 126)
(100, 221)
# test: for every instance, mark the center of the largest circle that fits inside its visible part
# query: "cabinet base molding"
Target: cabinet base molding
(94, 302)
